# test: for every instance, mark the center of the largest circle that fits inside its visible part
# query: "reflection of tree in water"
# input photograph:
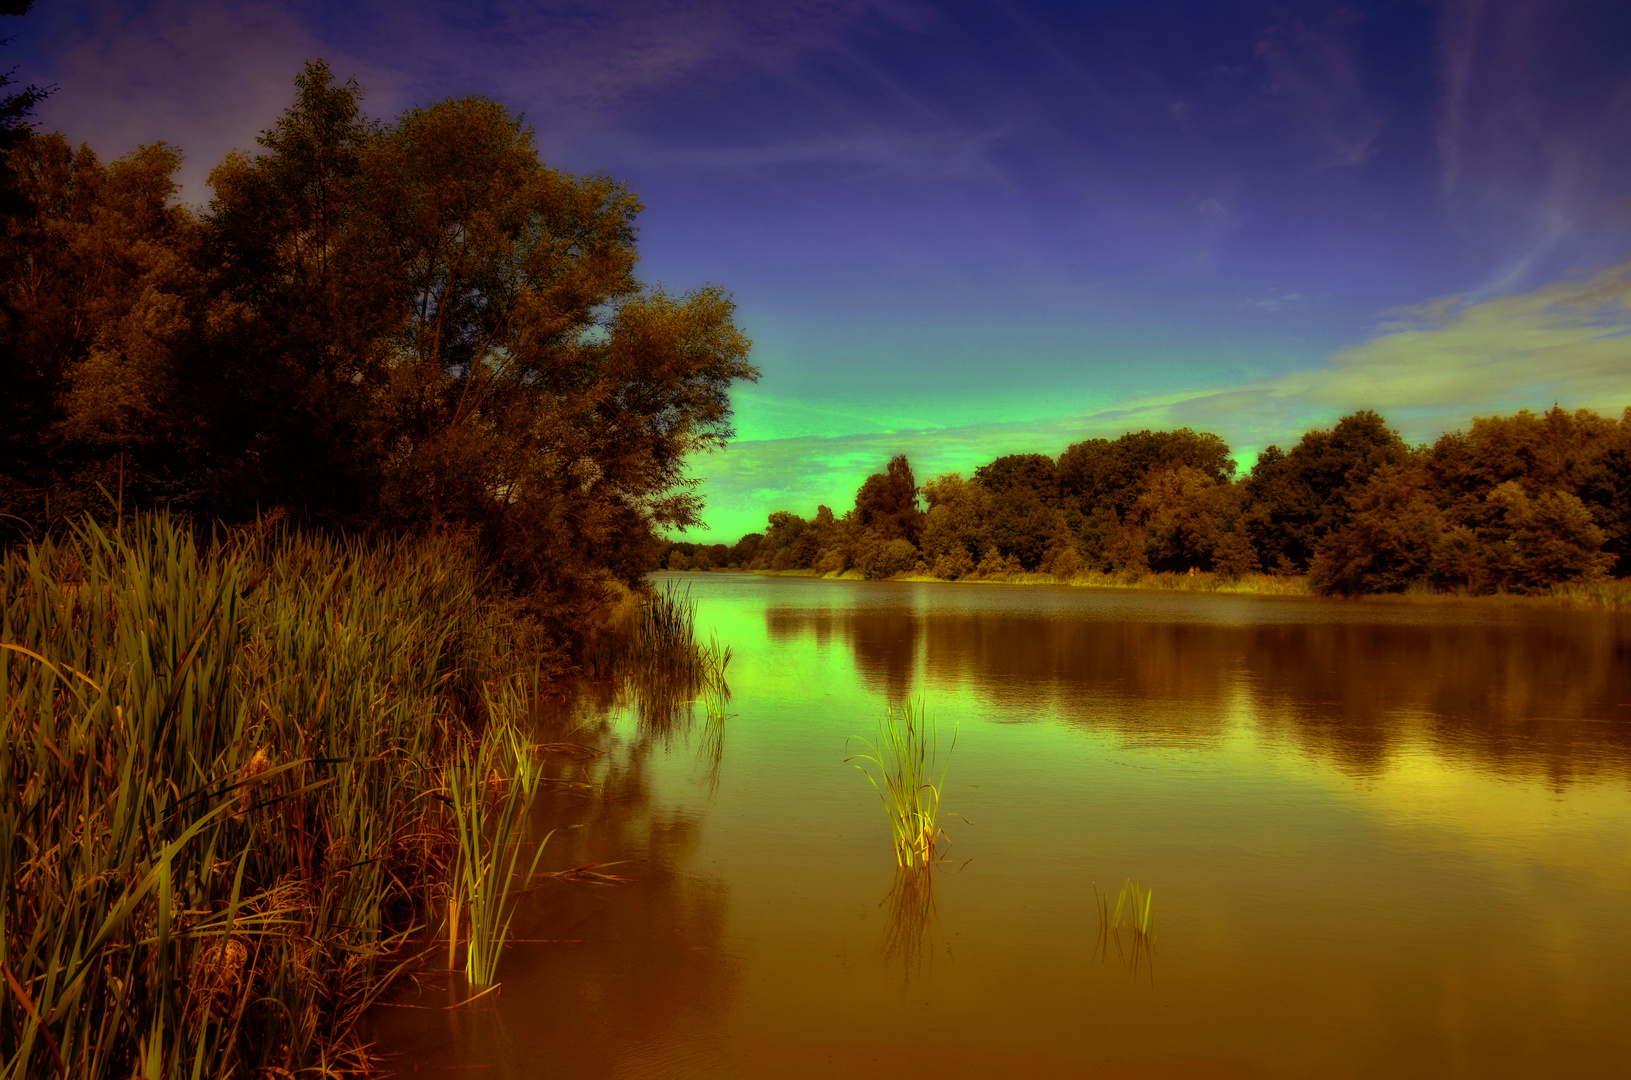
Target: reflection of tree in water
(598, 972)
(886, 644)
(1539, 693)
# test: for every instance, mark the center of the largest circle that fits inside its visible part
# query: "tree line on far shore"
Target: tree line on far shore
(1516, 503)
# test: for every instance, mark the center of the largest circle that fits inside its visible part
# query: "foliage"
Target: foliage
(1522, 503)
(887, 502)
(1389, 543)
(382, 325)
(218, 821)
(1295, 499)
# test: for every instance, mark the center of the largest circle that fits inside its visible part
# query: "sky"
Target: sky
(961, 230)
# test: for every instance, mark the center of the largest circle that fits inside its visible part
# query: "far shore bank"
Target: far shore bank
(1607, 595)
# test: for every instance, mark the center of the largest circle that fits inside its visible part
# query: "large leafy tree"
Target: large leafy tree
(411, 324)
(1296, 499)
(463, 339)
(887, 502)
(100, 306)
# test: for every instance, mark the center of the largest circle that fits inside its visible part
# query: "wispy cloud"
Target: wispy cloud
(866, 152)
(210, 75)
(1275, 300)
(1533, 100)
(1313, 73)
(1428, 369)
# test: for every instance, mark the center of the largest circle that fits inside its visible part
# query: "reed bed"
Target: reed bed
(900, 765)
(1613, 594)
(223, 808)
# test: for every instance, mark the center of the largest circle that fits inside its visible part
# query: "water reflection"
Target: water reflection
(600, 971)
(1126, 930)
(1459, 912)
(1546, 693)
(910, 922)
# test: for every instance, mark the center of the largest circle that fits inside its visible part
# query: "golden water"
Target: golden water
(1384, 839)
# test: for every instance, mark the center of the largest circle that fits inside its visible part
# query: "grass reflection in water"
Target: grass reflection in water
(911, 914)
(1135, 913)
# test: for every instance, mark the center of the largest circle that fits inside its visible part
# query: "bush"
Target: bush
(955, 563)
(1067, 564)
(895, 557)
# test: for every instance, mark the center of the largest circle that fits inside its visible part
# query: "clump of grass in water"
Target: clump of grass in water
(899, 765)
(1135, 910)
(714, 697)
(668, 669)
(491, 788)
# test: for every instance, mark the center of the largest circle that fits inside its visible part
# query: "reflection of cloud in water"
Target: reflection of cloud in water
(1543, 694)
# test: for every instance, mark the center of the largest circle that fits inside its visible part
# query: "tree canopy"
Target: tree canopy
(406, 324)
(1519, 503)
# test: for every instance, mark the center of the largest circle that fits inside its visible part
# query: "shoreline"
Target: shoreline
(1609, 595)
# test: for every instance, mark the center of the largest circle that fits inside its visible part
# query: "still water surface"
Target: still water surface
(1384, 840)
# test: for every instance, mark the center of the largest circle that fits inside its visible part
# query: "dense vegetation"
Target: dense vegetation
(300, 495)
(222, 803)
(1517, 503)
(377, 326)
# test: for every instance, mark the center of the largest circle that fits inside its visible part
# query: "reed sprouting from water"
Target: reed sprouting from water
(668, 670)
(491, 787)
(714, 698)
(1135, 911)
(666, 647)
(217, 822)
(901, 764)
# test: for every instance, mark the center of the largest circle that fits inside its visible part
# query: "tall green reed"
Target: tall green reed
(667, 670)
(215, 830)
(900, 765)
(492, 785)
(1134, 911)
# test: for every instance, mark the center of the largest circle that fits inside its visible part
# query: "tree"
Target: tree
(1295, 499)
(1389, 541)
(887, 502)
(101, 305)
(955, 536)
(1111, 473)
(475, 348)
(1032, 474)
(1552, 538)
(319, 294)
(410, 325)
(1580, 454)
(1179, 512)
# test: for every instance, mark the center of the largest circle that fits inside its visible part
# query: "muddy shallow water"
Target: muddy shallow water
(1383, 839)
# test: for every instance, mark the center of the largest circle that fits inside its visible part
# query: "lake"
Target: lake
(1383, 839)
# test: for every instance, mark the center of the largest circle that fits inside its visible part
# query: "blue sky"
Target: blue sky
(957, 230)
